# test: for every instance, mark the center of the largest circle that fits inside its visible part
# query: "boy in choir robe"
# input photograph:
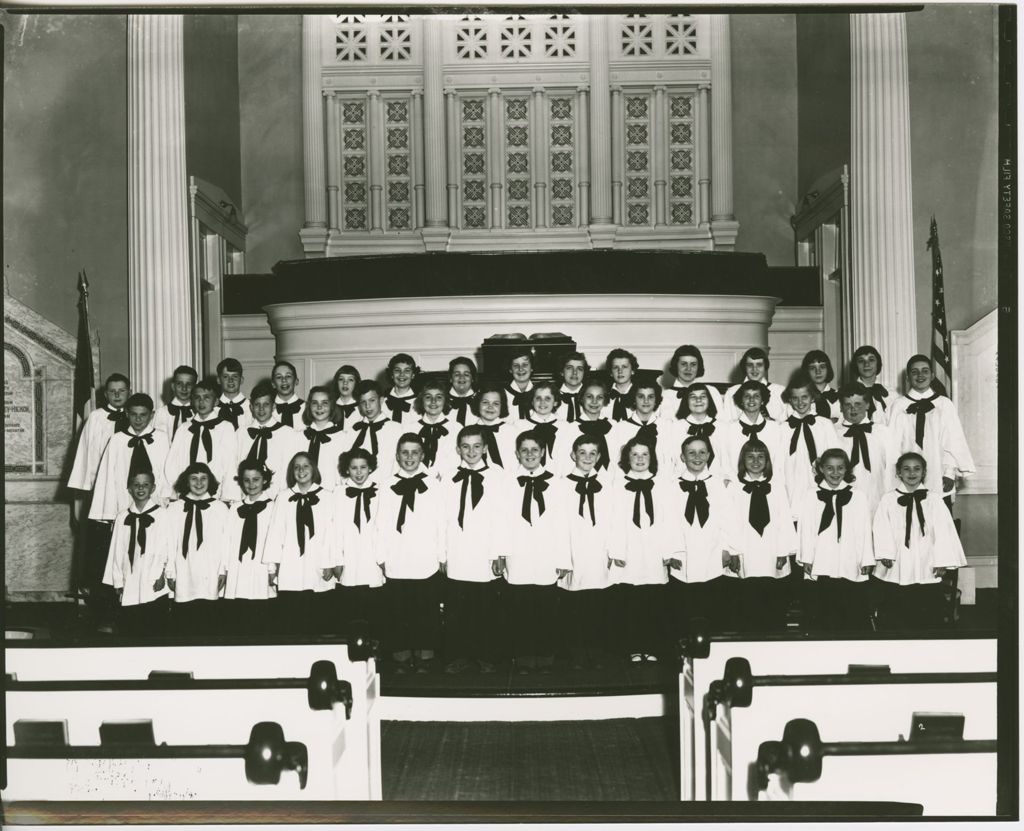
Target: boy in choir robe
(409, 542)
(867, 443)
(583, 602)
(207, 439)
(866, 366)
(298, 548)
(496, 425)
(437, 430)
(247, 588)
(687, 365)
(197, 548)
(346, 379)
(573, 370)
(178, 413)
(462, 394)
(817, 366)
(283, 378)
(136, 560)
(755, 364)
(373, 430)
(135, 447)
(641, 421)
(398, 403)
(232, 404)
(322, 437)
(749, 399)
(806, 435)
(621, 367)
(543, 420)
(761, 533)
(475, 504)
(519, 389)
(698, 421)
(834, 545)
(700, 586)
(536, 556)
(267, 441)
(641, 541)
(593, 422)
(925, 422)
(916, 543)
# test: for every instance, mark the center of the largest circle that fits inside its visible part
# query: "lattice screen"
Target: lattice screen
(398, 167)
(355, 167)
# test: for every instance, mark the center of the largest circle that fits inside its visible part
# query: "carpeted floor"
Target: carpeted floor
(635, 760)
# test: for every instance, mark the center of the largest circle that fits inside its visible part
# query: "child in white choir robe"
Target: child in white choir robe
(817, 366)
(834, 545)
(409, 543)
(373, 430)
(298, 548)
(462, 393)
(751, 424)
(136, 560)
(265, 440)
(137, 447)
(207, 439)
(583, 603)
(755, 364)
(437, 430)
(232, 405)
(321, 436)
(806, 435)
(544, 421)
(621, 366)
(866, 366)
(537, 554)
(345, 381)
(761, 533)
(687, 365)
(398, 403)
(593, 421)
(641, 421)
(519, 389)
(916, 543)
(96, 432)
(248, 578)
(925, 422)
(702, 581)
(283, 378)
(867, 443)
(573, 370)
(699, 421)
(178, 413)
(197, 549)
(641, 541)
(496, 424)
(475, 508)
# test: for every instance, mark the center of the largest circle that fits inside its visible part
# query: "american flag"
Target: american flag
(941, 356)
(85, 376)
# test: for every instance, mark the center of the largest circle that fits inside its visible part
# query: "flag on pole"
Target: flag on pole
(941, 354)
(85, 374)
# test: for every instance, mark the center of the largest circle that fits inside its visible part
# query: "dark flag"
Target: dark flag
(85, 374)
(941, 355)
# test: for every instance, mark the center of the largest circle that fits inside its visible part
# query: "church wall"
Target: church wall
(65, 171)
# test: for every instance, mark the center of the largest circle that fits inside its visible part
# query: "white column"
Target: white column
(724, 227)
(436, 228)
(539, 129)
(419, 200)
(163, 299)
(583, 137)
(451, 103)
(333, 163)
(881, 233)
(659, 139)
(703, 163)
(602, 231)
(616, 155)
(495, 158)
(314, 229)
(375, 151)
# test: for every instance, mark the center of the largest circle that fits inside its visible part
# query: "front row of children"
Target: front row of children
(588, 560)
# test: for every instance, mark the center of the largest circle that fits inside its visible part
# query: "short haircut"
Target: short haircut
(801, 381)
(913, 455)
(346, 369)
(290, 366)
(860, 352)
(402, 358)
(259, 467)
(528, 435)
(229, 365)
(185, 370)
(593, 380)
(920, 359)
(435, 384)
(621, 353)
(290, 475)
(366, 386)
(115, 377)
(468, 430)
(762, 389)
(583, 439)
(141, 472)
(574, 356)
(409, 438)
(139, 399)
(754, 445)
(644, 385)
(464, 361)
(689, 350)
(345, 459)
(550, 386)
(262, 390)
(181, 483)
(755, 353)
(636, 441)
(853, 388)
(307, 413)
(684, 404)
(833, 453)
(693, 439)
(494, 386)
(523, 351)
(816, 356)
(207, 385)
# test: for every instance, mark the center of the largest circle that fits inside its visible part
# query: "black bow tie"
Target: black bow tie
(909, 501)
(920, 409)
(545, 433)
(533, 491)
(759, 513)
(490, 432)
(346, 412)
(647, 433)
(181, 413)
(407, 488)
(373, 427)
(572, 411)
(316, 438)
(201, 431)
(431, 435)
(597, 430)
(825, 399)
(461, 404)
(878, 394)
(398, 406)
(304, 503)
(138, 523)
(618, 400)
(288, 411)
(586, 487)
(522, 399)
(473, 481)
(363, 497)
(230, 411)
(260, 437)
(803, 424)
(193, 514)
(642, 488)
(119, 417)
(837, 499)
(705, 430)
(249, 513)
(860, 453)
(697, 500)
(140, 461)
(751, 429)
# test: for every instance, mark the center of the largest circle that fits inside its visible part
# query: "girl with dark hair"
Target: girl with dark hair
(345, 381)
(865, 367)
(462, 394)
(687, 366)
(621, 366)
(817, 366)
(496, 425)
(755, 364)
(401, 373)
(322, 433)
(248, 578)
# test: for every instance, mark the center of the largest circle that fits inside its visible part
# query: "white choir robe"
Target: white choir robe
(283, 444)
(92, 441)
(826, 553)
(245, 419)
(406, 418)
(349, 411)
(511, 391)
(447, 457)
(505, 439)
(196, 575)
(702, 544)
(137, 579)
(535, 550)
(799, 473)
(110, 492)
(355, 548)
(776, 406)
(248, 576)
(327, 460)
(558, 461)
(676, 432)
(758, 552)
(453, 413)
(163, 419)
(588, 540)
(415, 552)
(623, 431)
(297, 418)
(223, 462)
(613, 393)
(835, 410)
(563, 408)
(881, 478)
(646, 550)
(938, 547)
(732, 441)
(670, 401)
(945, 445)
(387, 440)
(483, 537)
(608, 465)
(880, 415)
(301, 571)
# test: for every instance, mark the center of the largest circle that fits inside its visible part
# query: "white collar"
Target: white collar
(227, 400)
(150, 503)
(279, 400)
(533, 474)
(536, 418)
(478, 466)
(313, 488)
(391, 392)
(177, 402)
(646, 474)
(743, 418)
(403, 475)
(148, 429)
(210, 417)
(263, 497)
(566, 388)
(914, 395)
(441, 419)
(689, 477)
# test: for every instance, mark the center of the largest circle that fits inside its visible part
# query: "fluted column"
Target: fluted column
(602, 232)
(537, 160)
(881, 232)
(163, 301)
(659, 125)
(703, 163)
(375, 150)
(724, 227)
(314, 229)
(436, 228)
(583, 199)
